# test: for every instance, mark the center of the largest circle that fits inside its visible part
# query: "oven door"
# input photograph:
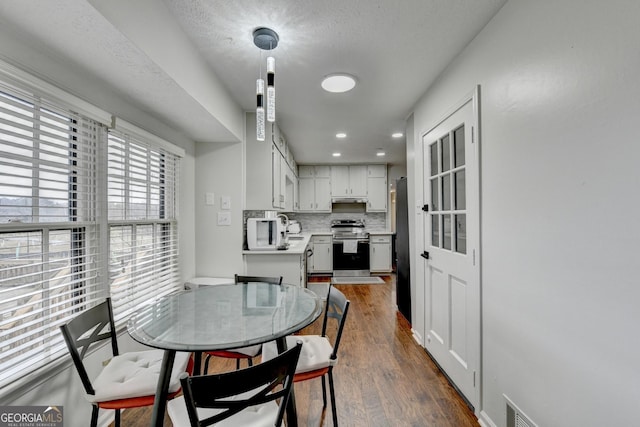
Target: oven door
(350, 257)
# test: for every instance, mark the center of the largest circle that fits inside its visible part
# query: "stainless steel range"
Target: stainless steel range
(350, 248)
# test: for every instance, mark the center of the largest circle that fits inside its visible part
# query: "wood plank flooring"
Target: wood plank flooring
(383, 378)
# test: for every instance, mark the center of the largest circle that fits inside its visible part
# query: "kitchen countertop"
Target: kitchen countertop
(378, 233)
(297, 245)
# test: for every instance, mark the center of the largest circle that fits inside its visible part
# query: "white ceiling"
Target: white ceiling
(394, 48)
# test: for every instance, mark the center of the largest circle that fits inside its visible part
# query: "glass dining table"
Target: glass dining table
(221, 317)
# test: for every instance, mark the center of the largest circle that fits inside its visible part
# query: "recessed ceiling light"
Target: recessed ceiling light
(380, 153)
(336, 154)
(338, 83)
(397, 135)
(341, 135)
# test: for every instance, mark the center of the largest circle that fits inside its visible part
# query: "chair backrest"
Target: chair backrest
(260, 383)
(86, 329)
(247, 279)
(337, 308)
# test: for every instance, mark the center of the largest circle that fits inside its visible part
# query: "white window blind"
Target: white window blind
(143, 243)
(49, 237)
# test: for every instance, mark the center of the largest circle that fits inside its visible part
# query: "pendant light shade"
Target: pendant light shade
(259, 110)
(265, 39)
(271, 90)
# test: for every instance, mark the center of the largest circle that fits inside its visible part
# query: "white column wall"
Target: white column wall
(219, 170)
(560, 98)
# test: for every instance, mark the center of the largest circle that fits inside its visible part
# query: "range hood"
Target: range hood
(348, 200)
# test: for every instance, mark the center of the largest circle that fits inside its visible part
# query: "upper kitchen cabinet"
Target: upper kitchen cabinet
(349, 181)
(271, 180)
(314, 189)
(377, 188)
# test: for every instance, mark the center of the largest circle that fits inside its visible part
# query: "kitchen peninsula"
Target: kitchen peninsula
(290, 263)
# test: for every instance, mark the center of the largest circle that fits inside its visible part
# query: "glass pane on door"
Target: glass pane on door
(435, 230)
(434, 159)
(458, 146)
(446, 153)
(446, 192)
(460, 191)
(461, 233)
(434, 195)
(446, 232)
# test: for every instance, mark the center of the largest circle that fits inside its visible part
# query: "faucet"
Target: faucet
(286, 226)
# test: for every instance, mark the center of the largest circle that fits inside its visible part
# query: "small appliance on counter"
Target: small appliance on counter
(265, 234)
(294, 227)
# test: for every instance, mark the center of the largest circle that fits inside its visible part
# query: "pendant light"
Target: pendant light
(259, 110)
(271, 90)
(266, 39)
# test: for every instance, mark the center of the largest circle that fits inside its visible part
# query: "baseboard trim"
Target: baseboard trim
(417, 337)
(485, 421)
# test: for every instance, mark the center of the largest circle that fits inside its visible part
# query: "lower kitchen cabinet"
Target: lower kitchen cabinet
(322, 259)
(292, 267)
(380, 253)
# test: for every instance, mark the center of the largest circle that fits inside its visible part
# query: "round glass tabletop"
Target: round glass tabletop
(224, 317)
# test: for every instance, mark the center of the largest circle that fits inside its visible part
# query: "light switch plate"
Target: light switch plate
(210, 199)
(224, 218)
(225, 202)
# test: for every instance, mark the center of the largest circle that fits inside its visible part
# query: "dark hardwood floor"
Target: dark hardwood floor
(383, 378)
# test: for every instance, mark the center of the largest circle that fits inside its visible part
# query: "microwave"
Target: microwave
(265, 233)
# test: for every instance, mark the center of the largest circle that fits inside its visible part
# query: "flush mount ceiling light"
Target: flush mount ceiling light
(397, 135)
(336, 154)
(265, 39)
(341, 135)
(380, 154)
(338, 83)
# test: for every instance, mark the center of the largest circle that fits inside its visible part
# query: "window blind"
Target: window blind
(49, 237)
(143, 237)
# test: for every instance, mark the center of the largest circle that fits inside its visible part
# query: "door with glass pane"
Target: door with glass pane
(452, 297)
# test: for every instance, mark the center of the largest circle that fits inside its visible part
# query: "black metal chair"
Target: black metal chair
(129, 380)
(209, 399)
(246, 353)
(319, 355)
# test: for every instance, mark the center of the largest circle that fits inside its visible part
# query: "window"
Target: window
(143, 250)
(49, 263)
(84, 213)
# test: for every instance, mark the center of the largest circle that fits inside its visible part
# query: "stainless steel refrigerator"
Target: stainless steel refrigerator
(403, 284)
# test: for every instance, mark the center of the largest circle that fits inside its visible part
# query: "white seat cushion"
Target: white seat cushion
(315, 354)
(135, 374)
(254, 416)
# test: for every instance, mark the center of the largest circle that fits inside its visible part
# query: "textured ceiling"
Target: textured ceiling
(394, 48)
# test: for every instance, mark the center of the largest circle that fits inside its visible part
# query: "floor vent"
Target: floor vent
(515, 417)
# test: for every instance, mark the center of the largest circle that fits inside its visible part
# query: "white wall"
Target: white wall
(219, 170)
(560, 98)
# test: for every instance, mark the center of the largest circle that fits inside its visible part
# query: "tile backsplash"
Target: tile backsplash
(310, 222)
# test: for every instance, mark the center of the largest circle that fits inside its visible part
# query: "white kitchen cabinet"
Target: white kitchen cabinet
(314, 189)
(292, 267)
(266, 169)
(349, 181)
(377, 171)
(380, 253)
(277, 178)
(377, 194)
(322, 259)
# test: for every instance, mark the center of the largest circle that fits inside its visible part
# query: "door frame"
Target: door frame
(472, 97)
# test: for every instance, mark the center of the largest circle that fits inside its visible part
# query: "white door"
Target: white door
(451, 243)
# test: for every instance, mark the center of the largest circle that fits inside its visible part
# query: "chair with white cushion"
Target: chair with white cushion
(249, 352)
(243, 398)
(319, 355)
(129, 380)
